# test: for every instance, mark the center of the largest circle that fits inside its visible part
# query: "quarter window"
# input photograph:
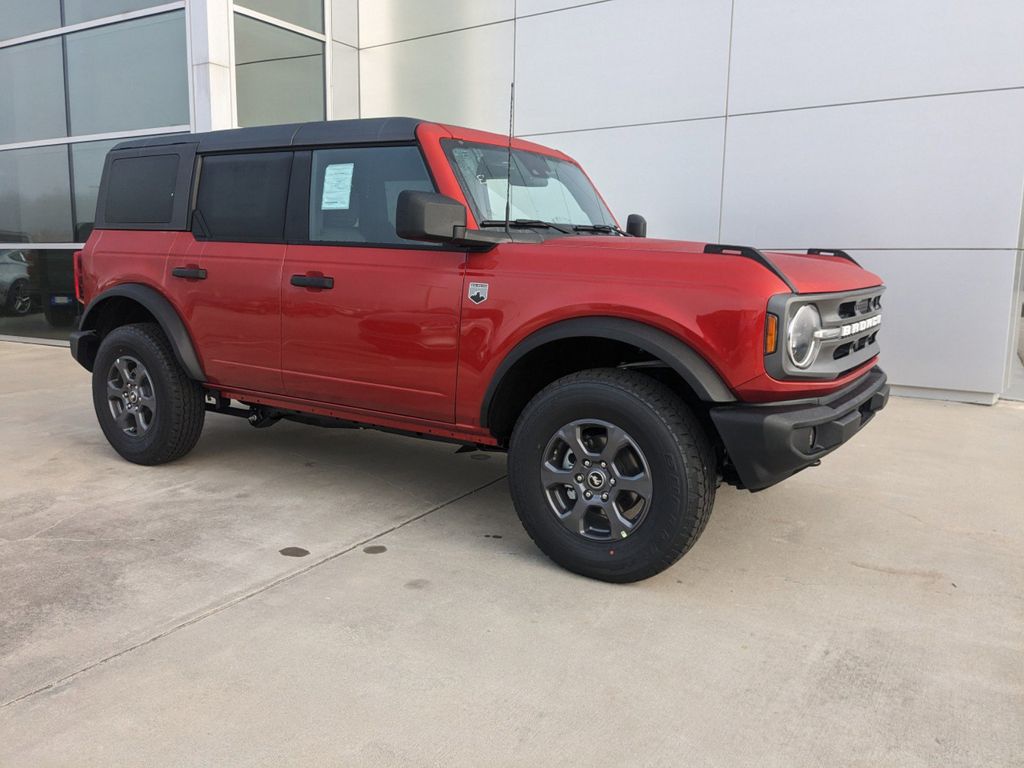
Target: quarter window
(243, 197)
(354, 193)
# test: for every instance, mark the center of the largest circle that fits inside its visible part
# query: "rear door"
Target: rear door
(225, 276)
(369, 320)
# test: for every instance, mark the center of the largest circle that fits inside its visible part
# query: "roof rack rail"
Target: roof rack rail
(832, 252)
(751, 253)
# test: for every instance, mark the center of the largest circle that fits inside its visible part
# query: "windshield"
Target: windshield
(543, 188)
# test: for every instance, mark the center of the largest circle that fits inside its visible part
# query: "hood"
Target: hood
(807, 273)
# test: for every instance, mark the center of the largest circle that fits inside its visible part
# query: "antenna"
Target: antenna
(511, 121)
(508, 185)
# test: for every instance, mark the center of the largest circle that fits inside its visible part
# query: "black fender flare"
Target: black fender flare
(84, 342)
(673, 352)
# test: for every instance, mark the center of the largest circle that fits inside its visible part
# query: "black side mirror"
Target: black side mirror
(429, 216)
(636, 225)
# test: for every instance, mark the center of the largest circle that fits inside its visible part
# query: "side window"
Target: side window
(243, 197)
(141, 189)
(354, 192)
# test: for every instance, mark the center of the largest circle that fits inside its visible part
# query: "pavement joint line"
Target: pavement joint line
(252, 593)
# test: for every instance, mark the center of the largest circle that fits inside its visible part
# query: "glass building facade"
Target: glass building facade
(78, 76)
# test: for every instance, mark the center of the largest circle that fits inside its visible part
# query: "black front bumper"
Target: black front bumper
(768, 443)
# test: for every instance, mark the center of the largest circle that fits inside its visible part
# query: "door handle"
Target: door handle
(313, 281)
(189, 273)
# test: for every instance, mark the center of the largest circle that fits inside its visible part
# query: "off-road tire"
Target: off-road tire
(178, 419)
(682, 468)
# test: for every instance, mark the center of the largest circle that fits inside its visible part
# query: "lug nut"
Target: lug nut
(604, 464)
(604, 497)
(588, 495)
(612, 481)
(586, 462)
(579, 478)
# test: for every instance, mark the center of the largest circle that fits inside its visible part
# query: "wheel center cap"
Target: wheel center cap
(595, 479)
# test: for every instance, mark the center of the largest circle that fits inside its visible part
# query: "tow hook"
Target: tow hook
(261, 418)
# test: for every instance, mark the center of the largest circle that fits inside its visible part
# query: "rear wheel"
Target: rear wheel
(611, 474)
(150, 411)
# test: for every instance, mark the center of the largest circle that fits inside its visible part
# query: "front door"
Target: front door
(369, 320)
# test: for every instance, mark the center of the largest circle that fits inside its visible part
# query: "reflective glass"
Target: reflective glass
(76, 11)
(35, 195)
(279, 75)
(37, 293)
(32, 92)
(304, 13)
(129, 75)
(87, 167)
(18, 17)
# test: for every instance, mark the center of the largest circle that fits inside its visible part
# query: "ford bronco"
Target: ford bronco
(453, 284)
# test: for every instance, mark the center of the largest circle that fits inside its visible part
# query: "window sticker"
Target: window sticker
(337, 187)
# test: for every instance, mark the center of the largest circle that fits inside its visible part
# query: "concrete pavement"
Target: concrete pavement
(865, 613)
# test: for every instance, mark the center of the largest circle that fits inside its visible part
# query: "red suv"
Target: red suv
(447, 283)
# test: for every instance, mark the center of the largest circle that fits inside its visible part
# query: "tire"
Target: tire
(664, 454)
(159, 410)
(18, 303)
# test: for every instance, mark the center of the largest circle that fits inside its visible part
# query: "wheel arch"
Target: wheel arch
(131, 302)
(609, 333)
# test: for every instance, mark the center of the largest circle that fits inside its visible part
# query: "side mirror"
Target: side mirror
(429, 216)
(636, 225)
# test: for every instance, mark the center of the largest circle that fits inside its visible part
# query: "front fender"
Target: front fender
(676, 354)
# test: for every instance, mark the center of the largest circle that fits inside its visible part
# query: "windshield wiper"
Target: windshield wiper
(600, 228)
(526, 223)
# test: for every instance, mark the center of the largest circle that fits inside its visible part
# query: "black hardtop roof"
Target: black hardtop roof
(369, 130)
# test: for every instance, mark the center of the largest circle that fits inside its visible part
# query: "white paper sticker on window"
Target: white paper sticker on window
(337, 187)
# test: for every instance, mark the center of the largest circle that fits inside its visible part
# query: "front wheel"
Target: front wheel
(150, 411)
(611, 474)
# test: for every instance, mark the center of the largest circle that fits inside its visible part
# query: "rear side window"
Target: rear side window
(243, 197)
(354, 193)
(141, 189)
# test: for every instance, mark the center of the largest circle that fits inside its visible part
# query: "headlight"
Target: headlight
(800, 341)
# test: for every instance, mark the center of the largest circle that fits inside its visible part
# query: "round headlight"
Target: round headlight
(800, 341)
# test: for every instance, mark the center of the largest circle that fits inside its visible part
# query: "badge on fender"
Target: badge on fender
(478, 292)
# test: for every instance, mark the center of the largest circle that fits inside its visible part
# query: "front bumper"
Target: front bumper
(768, 443)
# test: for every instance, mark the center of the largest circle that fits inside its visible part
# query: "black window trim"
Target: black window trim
(296, 225)
(194, 197)
(181, 207)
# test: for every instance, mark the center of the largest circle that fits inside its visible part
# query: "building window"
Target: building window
(308, 14)
(279, 74)
(18, 18)
(77, 11)
(129, 75)
(87, 167)
(35, 195)
(32, 94)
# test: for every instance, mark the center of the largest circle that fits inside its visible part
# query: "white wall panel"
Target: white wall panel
(941, 172)
(790, 53)
(385, 21)
(621, 63)
(670, 173)
(344, 82)
(946, 316)
(526, 7)
(461, 77)
(345, 21)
